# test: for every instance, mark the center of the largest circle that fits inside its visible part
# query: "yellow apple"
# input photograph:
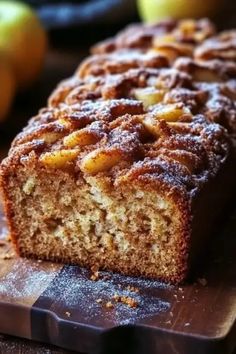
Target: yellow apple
(156, 10)
(7, 87)
(23, 40)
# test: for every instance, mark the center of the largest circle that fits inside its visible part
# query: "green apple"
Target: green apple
(23, 40)
(7, 87)
(156, 10)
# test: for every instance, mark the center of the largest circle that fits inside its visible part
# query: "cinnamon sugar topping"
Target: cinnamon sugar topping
(154, 92)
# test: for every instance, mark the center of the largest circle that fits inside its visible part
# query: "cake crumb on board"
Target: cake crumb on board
(126, 300)
(95, 273)
(109, 305)
(132, 289)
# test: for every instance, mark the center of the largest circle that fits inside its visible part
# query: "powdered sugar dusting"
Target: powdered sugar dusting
(25, 280)
(78, 294)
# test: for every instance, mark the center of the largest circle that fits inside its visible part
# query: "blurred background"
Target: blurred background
(42, 42)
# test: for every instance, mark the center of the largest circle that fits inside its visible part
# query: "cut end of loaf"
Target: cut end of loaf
(132, 230)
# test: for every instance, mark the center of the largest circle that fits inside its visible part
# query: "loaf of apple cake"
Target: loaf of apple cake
(128, 166)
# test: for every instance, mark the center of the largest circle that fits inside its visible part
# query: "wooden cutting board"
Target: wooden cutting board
(62, 305)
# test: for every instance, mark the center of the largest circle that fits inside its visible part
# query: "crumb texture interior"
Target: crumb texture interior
(89, 223)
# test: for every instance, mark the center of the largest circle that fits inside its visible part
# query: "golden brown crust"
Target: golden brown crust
(222, 46)
(123, 127)
(119, 62)
(142, 37)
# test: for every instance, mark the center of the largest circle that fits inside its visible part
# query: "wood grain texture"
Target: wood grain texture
(197, 318)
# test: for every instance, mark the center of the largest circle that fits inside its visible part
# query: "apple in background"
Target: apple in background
(23, 41)
(156, 10)
(7, 87)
